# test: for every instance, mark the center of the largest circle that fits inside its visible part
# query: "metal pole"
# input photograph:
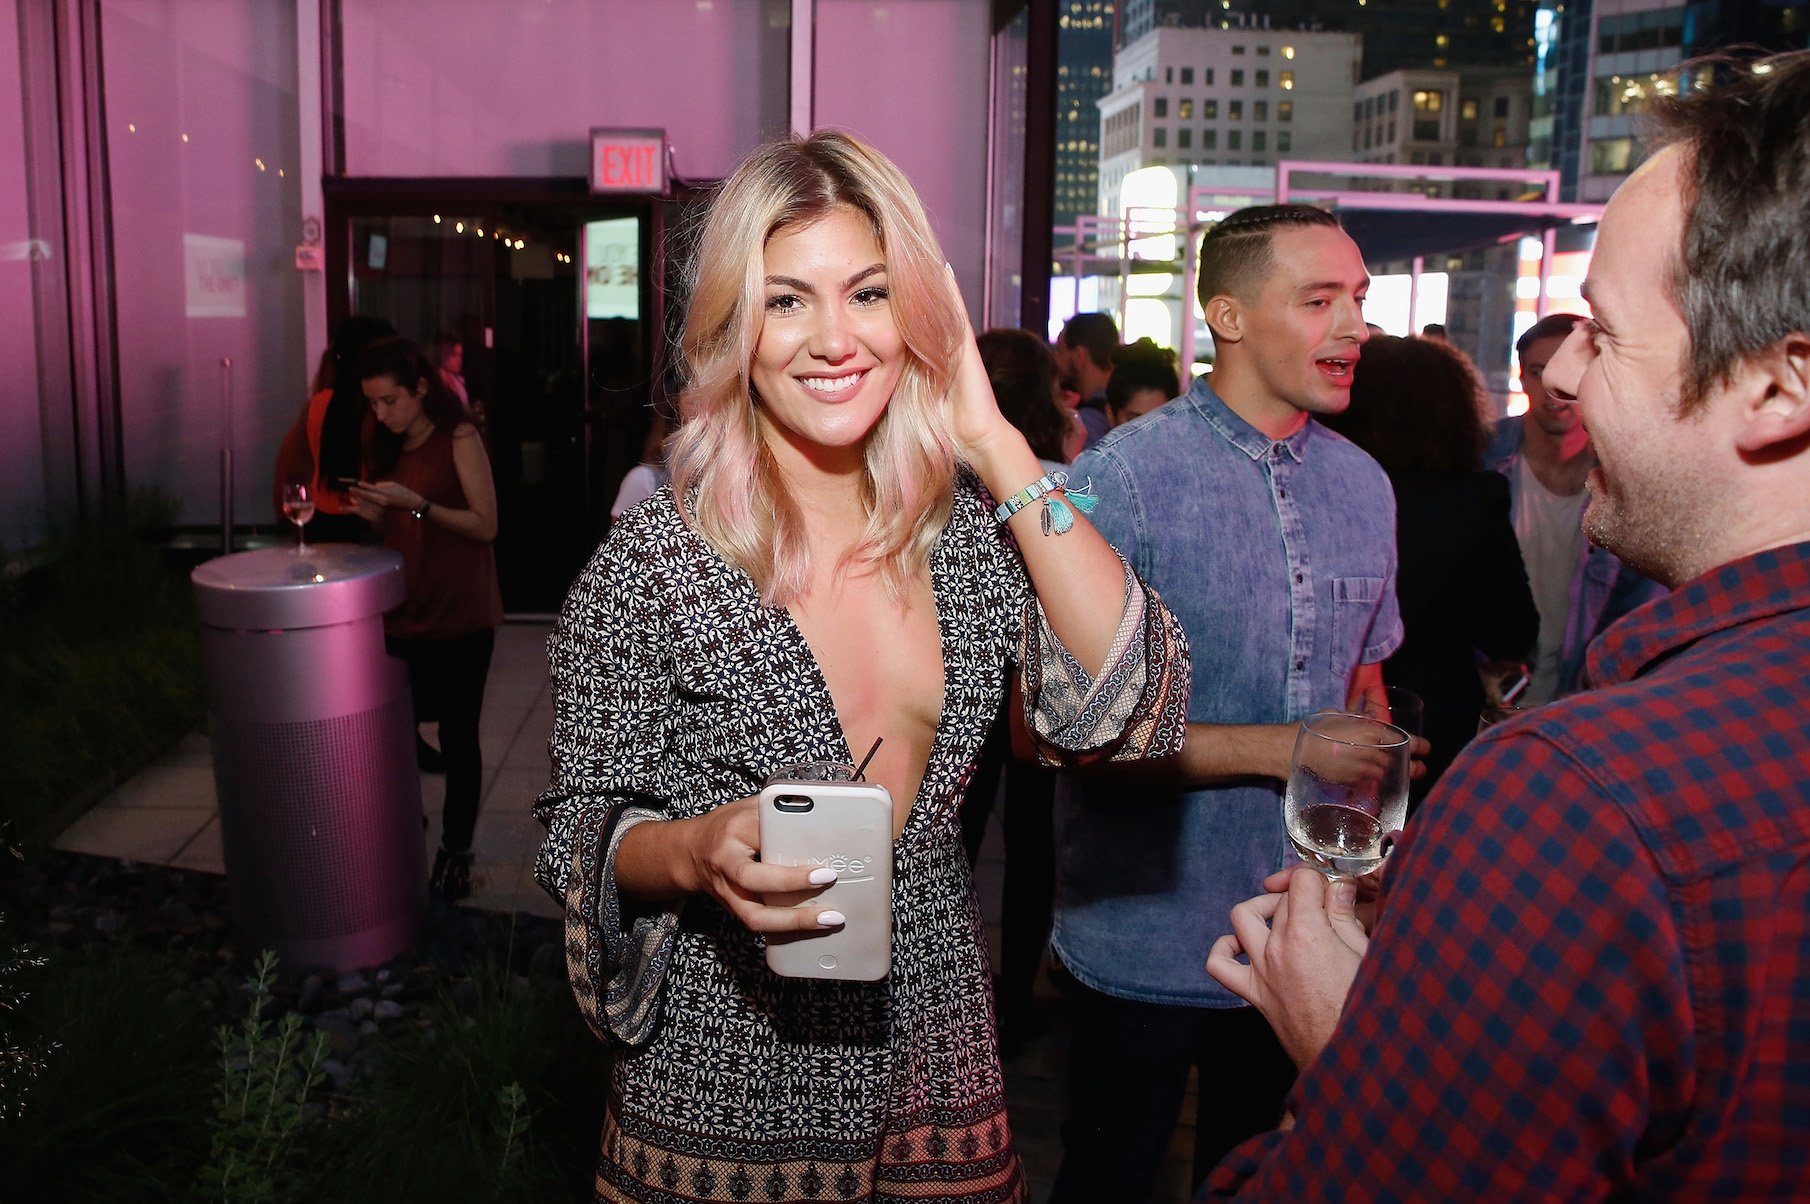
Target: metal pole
(1414, 296)
(226, 455)
(1190, 278)
(1549, 244)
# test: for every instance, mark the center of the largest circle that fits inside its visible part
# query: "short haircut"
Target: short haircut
(1141, 365)
(1236, 255)
(1742, 276)
(1022, 370)
(1551, 325)
(1417, 405)
(1095, 333)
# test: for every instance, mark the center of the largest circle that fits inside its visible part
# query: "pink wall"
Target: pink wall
(910, 76)
(480, 88)
(204, 241)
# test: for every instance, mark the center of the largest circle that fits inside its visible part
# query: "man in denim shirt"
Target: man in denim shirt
(1273, 540)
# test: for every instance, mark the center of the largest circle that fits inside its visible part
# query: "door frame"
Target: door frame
(346, 200)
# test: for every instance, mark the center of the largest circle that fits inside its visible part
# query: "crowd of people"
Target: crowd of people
(1081, 579)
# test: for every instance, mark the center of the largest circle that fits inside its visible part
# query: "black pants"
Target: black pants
(1030, 862)
(1127, 1077)
(446, 677)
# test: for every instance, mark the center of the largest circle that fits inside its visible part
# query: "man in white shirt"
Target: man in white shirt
(1578, 587)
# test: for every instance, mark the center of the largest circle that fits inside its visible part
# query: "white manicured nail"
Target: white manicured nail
(822, 876)
(831, 919)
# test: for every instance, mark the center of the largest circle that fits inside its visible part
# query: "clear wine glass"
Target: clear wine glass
(1492, 715)
(298, 508)
(1403, 707)
(1347, 795)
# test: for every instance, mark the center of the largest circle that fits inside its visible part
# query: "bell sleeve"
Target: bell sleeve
(1135, 707)
(613, 683)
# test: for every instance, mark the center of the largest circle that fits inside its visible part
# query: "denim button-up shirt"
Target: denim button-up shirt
(1279, 559)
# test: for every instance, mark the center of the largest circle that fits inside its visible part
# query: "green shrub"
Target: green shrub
(267, 1073)
(100, 670)
(120, 1109)
(497, 1096)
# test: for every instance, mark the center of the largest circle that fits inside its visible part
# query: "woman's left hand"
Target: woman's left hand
(974, 417)
(391, 495)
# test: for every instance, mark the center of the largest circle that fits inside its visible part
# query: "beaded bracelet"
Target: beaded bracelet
(1057, 517)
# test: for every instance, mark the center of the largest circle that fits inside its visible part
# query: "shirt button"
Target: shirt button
(1300, 665)
(1299, 578)
(1281, 493)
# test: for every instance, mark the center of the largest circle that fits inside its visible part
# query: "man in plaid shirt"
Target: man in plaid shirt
(1589, 977)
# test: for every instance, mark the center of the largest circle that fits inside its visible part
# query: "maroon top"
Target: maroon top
(452, 582)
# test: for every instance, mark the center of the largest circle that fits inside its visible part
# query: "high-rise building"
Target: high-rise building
(1083, 76)
(1398, 34)
(1775, 25)
(1463, 117)
(1139, 17)
(1560, 83)
(1602, 60)
(1213, 97)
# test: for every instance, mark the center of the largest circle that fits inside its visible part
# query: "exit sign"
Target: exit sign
(628, 161)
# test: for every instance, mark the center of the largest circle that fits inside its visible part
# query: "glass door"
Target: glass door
(543, 308)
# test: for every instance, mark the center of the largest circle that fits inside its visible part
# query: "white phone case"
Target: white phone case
(847, 827)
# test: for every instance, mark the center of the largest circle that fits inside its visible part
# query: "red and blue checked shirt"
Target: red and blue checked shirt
(1590, 978)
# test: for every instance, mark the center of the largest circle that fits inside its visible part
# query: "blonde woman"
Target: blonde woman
(824, 568)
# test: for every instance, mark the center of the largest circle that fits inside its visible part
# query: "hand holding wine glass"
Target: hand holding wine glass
(1347, 794)
(298, 508)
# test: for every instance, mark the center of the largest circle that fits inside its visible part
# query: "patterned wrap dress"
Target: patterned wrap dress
(677, 690)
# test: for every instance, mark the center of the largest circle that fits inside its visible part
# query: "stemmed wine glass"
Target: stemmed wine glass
(1347, 795)
(298, 508)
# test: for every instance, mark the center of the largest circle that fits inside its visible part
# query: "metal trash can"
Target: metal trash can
(314, 752)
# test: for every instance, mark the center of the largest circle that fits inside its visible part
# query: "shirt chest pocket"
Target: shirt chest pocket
(1355, 601)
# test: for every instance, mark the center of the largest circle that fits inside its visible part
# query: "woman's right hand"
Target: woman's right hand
(363, 506)
(721, 853)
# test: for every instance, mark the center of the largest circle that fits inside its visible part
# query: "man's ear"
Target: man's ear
(1775, 391)
(1225, 317)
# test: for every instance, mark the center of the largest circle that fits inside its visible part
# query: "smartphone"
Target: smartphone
(846, 826)
(346, 483)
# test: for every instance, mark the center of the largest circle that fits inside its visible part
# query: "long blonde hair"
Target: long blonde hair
(726, 481)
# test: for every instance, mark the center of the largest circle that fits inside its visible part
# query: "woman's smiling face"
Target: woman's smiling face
(830, 353)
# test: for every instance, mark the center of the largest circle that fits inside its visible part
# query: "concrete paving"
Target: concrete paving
(168, 814)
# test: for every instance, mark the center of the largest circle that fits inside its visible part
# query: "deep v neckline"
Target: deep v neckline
(822, 701)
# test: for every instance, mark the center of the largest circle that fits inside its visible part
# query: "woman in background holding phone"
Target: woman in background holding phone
(323, 448)
(428, 491)
(824, 568)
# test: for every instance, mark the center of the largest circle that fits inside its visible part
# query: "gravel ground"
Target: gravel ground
(55, 899)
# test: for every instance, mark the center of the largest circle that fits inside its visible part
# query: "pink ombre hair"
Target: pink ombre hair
(727, 482)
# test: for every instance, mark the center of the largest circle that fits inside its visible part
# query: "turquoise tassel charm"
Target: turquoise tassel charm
(1058, 519)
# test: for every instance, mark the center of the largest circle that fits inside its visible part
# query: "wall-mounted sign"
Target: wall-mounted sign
(214, 276)
(628, 161)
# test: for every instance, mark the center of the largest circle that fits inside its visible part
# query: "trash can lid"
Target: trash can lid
(273, 588)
